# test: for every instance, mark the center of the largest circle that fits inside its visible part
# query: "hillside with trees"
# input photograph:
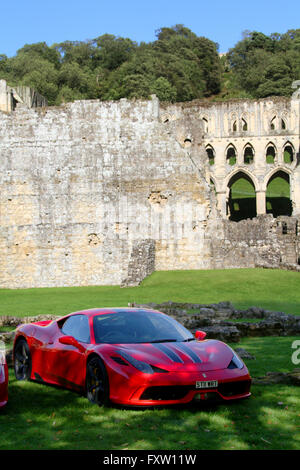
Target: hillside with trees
(262, 66)
(177, 66)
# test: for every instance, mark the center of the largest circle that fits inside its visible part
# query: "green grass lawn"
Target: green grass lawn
(43, 417)
(271, 289)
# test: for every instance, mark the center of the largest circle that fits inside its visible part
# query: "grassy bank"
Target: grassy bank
(271, 289)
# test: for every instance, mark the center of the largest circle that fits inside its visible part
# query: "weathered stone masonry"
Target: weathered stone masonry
(95, 193)
(83, 184)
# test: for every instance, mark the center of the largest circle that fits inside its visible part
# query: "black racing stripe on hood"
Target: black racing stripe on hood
(168, 352)
(189, 352)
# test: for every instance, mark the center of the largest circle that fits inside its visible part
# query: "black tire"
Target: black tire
(96, 383)
(22, 360)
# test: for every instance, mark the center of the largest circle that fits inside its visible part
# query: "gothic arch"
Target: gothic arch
(233, 120)
(271, 155)
(211, 154)
(205, 121)
(278, 193)
(283, 124)
(273, 172)
(241, 203)
(273, 122)
(288, 151)
(248, 153)
(244, 172)
(231, 154)
(284, 121)
(245, 122)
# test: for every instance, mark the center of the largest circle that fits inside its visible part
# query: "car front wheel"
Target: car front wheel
(22, 360)
(97, 387)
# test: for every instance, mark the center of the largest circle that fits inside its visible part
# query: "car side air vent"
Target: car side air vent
(119, 360)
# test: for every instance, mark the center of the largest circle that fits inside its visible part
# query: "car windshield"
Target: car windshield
(138, 327)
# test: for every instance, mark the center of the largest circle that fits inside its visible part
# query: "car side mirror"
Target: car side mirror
(70, 341)
(200, 335)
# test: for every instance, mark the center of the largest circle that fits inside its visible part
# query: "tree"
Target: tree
(163, 89)
(113, 51)
(265, 65)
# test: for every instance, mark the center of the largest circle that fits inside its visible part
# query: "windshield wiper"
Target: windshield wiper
(189, 339)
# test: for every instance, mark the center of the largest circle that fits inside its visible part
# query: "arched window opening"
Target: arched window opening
(187, 143)
(278, 200)
(210, 155)
(273, 124)
(288, 154)
(234, 127)
(283, 125)
(244, 125)
(242, 197)
(270, 154)
(231, 156)
(248, 155)
(205, 125)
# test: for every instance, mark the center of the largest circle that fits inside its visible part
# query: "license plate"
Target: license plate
(207, 384)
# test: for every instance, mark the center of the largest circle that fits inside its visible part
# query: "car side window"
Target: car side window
(78, 327)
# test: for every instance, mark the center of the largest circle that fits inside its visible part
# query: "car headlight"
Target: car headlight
(236, 362)
(139, 365)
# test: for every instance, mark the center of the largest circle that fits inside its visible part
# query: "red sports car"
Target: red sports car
(129, 356)
(3, 377)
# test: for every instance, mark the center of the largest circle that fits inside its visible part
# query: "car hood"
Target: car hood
(180, 356)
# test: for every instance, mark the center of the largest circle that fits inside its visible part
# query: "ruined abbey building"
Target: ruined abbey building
(102, 193)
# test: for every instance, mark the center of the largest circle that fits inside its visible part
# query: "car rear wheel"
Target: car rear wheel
(22, 360)
(97, 386)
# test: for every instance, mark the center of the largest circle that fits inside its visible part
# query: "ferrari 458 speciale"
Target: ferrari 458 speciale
(3, 377)
(129, 356)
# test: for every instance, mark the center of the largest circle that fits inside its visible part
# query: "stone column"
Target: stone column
(221, 202)
(239, 156)
(260, 202)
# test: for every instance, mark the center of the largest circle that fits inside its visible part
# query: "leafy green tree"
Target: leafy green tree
(41, 50)
(79, 52)
(112, 51)
(190, 61)
(34, 71)
(277, 79)
(266, 65)
(163, 89)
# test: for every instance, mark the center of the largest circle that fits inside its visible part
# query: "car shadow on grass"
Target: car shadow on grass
(40, 416)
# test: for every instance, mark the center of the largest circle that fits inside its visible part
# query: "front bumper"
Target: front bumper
(180, 388)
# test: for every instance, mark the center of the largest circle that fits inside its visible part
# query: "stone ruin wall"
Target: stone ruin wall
(103, 193)
(84, 185)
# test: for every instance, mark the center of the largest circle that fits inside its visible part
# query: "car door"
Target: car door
(66, 363)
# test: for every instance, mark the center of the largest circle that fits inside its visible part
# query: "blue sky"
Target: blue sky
(222, 21)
